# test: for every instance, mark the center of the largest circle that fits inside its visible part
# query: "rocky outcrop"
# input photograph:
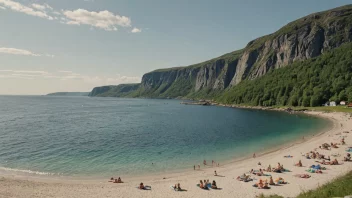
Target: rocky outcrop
(302, 39)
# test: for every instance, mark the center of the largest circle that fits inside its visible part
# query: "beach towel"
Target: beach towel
(349, 150)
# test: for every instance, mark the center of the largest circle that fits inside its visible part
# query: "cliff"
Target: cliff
(303, 39)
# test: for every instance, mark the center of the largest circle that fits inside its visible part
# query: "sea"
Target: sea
(100, 137)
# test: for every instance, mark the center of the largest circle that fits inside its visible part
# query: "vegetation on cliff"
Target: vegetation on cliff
(306, 83)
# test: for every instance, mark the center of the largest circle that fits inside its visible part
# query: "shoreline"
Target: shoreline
(14, 186)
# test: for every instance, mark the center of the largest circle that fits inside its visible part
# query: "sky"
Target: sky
(74, 45)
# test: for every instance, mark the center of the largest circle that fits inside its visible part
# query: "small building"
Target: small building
(343, 103)
(332, 104)
(350, 105)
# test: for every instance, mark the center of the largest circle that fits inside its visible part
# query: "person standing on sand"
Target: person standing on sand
(198, 167)
(205, 162)
(194, 167)
(253, 155)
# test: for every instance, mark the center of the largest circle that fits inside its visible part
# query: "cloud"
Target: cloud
(42, 7)
(136, 30)
(69, 76)
(104, 19)
(15, 51)
(24, 9)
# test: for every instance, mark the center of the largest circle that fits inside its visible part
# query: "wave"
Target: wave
(27, 171)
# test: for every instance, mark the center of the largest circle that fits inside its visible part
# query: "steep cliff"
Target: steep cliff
(302, 39)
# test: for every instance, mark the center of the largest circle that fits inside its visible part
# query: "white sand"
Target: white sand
(19, 186)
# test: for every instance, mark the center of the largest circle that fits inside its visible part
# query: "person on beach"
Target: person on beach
(179, 187)
(141, 186)
(111, 179)
(119, 180)
(253, 155)
(198, 167)
(205, 162)
(212, 162)
(201, 185)
(343, 141)
(194, 167)
(299, 164)
(348, 158)
(271, 181)
(215, 174)
(213, 185)
(259, 163)
(269, 168)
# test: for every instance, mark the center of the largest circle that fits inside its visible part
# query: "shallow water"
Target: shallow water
(82, 136)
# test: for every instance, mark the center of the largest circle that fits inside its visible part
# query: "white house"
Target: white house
(343, 103)
(332, 104)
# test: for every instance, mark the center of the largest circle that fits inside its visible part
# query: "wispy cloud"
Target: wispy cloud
(23, 52)
(15, 6)
(42, 7)
(103, 19)
(69, 76)
(136, 30)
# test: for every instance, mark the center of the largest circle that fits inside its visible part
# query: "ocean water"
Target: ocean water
(83, 136)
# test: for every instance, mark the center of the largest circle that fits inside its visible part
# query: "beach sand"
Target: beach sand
(22, 186)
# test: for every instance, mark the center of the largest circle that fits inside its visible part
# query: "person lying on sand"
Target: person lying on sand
(299, 164)
(213, 185)
(280, 180)
(306, 176)
(111, 179)
(334, 145)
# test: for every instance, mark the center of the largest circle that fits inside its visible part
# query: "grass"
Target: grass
(339, 187)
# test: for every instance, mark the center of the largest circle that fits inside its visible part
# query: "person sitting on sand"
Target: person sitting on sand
(252, 171)
(335, 162)
(299, 164)
(215, 174)
(119, 180)
(201, 185)
(179, 187)
(266, 185)
(141, 186)
(271, 181)
(343, 141)
(259, 164)
(348, 158)
(260, 184)
(269, 168)
(213, 185)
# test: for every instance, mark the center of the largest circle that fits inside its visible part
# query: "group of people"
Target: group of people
(118, 180)
(205, 184)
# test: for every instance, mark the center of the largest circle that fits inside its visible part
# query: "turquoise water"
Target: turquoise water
(82, 136)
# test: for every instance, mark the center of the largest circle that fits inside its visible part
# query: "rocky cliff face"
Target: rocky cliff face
(302, 39)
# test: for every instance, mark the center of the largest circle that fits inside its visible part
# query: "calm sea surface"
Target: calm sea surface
(82, 136)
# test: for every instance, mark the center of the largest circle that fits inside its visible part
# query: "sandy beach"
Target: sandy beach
(23, 186)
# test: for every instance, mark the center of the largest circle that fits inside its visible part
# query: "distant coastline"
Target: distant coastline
(68, 94)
